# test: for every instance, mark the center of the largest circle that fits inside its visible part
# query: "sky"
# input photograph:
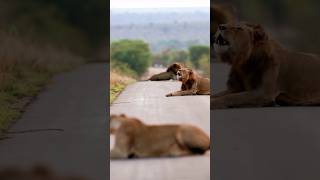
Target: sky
(158, 3)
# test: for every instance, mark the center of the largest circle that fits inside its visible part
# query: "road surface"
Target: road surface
(75, 102)
(146, 100)
(276, 143)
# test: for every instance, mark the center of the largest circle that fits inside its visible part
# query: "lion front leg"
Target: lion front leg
(222, 93)
(182, 93)
(242, 99)
(117, 153)
(162, 76)
(121, 147)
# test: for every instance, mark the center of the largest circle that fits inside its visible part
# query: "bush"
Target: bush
(122, 68)
(196, 52)
(135, 53)
(179, 56)
(204, 65)
(168, 57)
(25, 68)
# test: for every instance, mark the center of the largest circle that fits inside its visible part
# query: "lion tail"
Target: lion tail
(193, 138)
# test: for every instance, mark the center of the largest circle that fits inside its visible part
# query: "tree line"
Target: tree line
(135, 55)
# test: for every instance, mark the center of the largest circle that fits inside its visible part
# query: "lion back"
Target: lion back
(193, 138)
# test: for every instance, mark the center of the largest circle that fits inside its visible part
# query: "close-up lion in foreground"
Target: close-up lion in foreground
(264, 73)
(134, 139)
(192, 84)
(170, 73)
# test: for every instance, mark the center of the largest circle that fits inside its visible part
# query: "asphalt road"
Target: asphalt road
(75, 102)
(146, 100)
(276, 143)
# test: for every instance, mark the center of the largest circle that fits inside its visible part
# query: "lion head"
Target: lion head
(117, 120)
(174, 68)
(185, 74)
(234, 42)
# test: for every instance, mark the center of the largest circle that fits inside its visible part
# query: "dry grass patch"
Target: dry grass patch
(117, 84)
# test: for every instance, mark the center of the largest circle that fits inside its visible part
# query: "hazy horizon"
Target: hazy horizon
(162, 28)
(160, 10)
(141, 4)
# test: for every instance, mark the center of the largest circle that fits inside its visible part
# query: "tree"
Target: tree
(196, 52)
(204, 65)
(135, 53)
(179, 56)
(162, 58)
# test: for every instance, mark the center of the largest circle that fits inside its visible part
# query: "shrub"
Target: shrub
(204, 65)
(168, 57)
(122, 68)
(196, 52)
(135, 53)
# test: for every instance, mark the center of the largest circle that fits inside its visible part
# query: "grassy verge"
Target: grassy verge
(14, 98)
(25, 69)
(117, 84)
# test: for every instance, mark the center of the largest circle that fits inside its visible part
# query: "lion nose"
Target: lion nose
(222, 27)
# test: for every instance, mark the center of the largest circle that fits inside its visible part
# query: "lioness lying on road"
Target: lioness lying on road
(170, 73)
(262, 71)
(136, 139)
(192, 84)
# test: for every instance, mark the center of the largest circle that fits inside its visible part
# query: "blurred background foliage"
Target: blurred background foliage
(135, 54)
(196, 57)
(39, 38)
(197, 53)
(79, 26)
(293, 23)
(132, 58)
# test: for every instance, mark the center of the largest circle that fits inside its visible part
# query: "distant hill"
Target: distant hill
(162, 28)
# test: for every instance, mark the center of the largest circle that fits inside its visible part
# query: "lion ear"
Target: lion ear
(259, 33)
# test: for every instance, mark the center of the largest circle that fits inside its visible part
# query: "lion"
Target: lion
(263, 72)
(170, 73)
(192, 84)
(134, 139)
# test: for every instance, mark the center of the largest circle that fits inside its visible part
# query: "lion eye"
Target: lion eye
(239, 28)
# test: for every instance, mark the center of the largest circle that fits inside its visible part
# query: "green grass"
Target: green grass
(117, 88)
(14, 97)
(7, 113)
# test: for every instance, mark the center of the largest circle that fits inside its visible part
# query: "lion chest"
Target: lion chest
(187, 85)
(247, 77)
